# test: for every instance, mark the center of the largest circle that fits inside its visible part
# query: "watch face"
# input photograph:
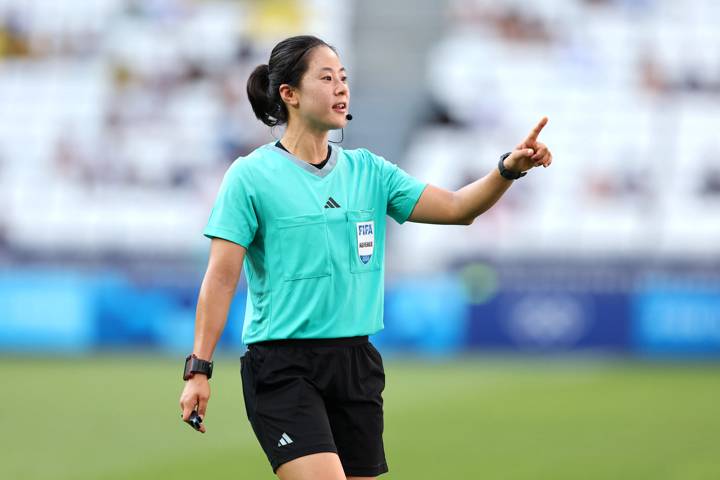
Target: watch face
(194, 365)
(186, 370)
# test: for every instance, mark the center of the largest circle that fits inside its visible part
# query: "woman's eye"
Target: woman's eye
(326, 78)
(344, 79)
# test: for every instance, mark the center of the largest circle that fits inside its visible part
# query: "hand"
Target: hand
(530, 153)
(195, 396)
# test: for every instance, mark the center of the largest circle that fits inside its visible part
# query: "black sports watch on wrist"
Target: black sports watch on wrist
(194, 365)
(509, 174)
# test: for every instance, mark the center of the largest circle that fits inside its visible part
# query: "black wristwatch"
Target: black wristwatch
(510, 175)
(194, 365)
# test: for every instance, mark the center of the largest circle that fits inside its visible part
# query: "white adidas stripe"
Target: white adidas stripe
(284, 440)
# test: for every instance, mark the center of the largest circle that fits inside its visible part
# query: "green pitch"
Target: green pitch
(476, 418)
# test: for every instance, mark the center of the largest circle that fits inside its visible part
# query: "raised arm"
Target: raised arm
(440, 206)
(216, 294)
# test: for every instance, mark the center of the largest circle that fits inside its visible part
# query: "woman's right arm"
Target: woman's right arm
(216, 294)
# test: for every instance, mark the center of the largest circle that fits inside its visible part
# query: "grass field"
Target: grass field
(475, 418)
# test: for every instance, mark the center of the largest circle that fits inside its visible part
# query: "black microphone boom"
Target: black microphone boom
(348, 117)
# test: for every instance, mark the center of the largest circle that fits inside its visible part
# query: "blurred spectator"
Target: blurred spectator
(14, 35)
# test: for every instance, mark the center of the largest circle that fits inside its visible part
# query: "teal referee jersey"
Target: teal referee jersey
(315, 239)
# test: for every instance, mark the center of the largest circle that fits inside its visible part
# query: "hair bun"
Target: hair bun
(258, 91)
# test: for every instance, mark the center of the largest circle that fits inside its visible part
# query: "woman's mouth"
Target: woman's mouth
(340, 107)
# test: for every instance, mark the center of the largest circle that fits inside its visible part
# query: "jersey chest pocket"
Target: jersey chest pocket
(362, 241)
(303, 246)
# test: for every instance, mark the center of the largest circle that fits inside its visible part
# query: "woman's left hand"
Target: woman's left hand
(530, 153)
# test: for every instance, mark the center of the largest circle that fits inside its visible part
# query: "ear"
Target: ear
(289, 95)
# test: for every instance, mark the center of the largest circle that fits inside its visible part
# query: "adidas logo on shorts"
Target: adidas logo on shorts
(284, 440)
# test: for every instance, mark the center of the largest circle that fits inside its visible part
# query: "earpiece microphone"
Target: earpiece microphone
(348, 117)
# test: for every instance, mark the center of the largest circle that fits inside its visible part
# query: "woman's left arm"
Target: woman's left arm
(440, 206)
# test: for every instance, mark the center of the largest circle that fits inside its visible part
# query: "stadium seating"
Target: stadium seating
(117, 123)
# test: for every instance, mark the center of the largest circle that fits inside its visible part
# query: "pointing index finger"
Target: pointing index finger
(536, 131)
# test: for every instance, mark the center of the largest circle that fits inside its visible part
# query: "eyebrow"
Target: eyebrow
(328, 68)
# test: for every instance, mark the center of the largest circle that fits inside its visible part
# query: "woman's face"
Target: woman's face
(323, 97)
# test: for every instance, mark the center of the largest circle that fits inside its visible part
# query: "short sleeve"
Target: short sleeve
(403, 190)
(233, 216)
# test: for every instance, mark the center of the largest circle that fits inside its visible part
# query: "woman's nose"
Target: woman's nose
(341, 87)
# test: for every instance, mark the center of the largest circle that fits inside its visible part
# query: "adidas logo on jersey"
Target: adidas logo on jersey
(284, 440)
(331, 203)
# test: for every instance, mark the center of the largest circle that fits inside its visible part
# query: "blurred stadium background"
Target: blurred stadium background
(573, 331)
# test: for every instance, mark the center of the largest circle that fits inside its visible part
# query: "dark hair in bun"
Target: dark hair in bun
(288, 63)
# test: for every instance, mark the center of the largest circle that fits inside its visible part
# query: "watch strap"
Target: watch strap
(509, 174)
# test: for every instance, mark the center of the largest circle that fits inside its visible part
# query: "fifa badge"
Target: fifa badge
(365, 239)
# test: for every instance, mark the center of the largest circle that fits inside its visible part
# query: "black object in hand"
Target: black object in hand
(194, 420)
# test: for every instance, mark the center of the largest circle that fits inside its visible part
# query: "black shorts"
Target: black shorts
(318, 395)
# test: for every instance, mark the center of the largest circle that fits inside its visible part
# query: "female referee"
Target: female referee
(307, 220)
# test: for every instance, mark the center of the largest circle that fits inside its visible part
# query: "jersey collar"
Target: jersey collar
(319, 172)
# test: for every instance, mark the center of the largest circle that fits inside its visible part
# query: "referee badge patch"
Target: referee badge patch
(365, 232)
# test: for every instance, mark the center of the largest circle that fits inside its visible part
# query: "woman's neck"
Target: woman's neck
(308, 145)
